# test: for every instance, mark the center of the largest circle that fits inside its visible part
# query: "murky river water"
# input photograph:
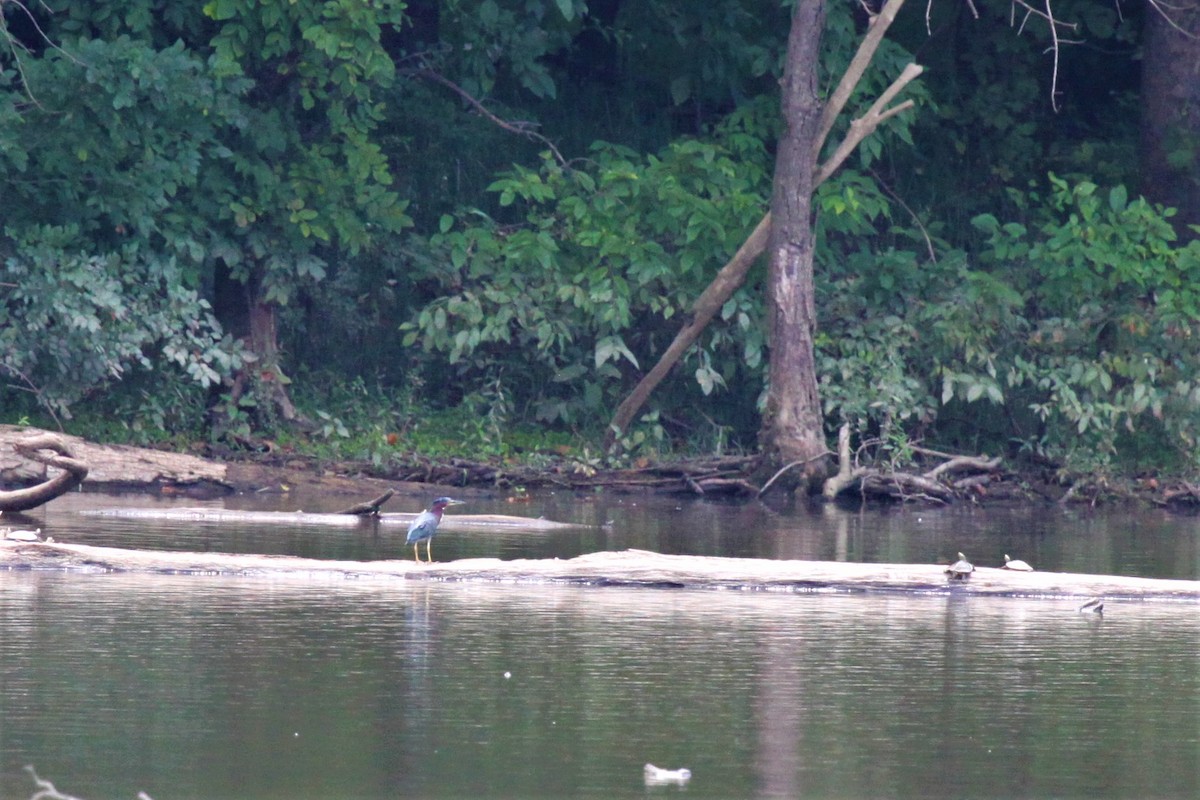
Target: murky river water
(188, 687)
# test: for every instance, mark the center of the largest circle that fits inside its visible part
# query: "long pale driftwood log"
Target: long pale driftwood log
(633, 568)
(450, 522)
(49, 450)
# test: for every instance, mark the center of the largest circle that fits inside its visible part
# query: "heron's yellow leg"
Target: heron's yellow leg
(429, 549)
(416, 554)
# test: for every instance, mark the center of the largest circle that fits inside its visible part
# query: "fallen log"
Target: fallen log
(33, 447)
(450, 522)
(633, 568)
(904, 486)
(111, 464)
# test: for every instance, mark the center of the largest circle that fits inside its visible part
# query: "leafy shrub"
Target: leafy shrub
(72, 323)
(589, 277)
(1112, 303)
(1075, 328)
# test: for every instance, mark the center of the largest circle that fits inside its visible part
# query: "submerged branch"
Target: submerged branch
(370, 508)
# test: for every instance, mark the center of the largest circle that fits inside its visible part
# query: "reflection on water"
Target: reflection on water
(213, 688)
(223, 687)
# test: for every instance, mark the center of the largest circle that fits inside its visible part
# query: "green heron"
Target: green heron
(425, 526)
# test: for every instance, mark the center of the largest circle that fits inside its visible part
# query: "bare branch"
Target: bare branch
(785, 468)
(1163, 10)
(854, 72)
(976, 463)
(865, 125)
(916, 220)
(369, 508)
(1046, 15)
(17, 48)
(520, 127)
(846, 473)
(1054, 74)
(705, 307)
(33, 389)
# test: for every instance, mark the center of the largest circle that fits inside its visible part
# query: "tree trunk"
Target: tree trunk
(244, 313)
(264, 377)
(1170, 125)
(792, 423)
(264, 341)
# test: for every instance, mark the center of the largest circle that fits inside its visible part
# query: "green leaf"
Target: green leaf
(221, 9)
(681, 91)
(1118, 198)
(986, 223)
(539, 82)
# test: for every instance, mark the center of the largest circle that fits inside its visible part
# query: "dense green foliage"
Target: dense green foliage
(100, 163)
(501, 211)
(596, 268)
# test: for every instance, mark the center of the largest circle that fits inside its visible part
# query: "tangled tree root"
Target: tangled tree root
(33, 447)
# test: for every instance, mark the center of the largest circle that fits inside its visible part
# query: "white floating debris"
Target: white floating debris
(507, 675)
(657, 776)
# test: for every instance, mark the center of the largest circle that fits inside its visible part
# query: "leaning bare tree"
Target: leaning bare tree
(792, 431)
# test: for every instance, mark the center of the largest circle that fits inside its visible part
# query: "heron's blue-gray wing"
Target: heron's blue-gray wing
(422, 527)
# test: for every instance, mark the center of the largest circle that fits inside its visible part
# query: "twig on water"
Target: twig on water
(48, 791)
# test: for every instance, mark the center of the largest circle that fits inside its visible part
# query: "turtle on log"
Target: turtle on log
(1016, 564)
(960, 570)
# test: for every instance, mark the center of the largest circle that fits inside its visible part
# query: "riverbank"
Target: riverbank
(117, 467)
